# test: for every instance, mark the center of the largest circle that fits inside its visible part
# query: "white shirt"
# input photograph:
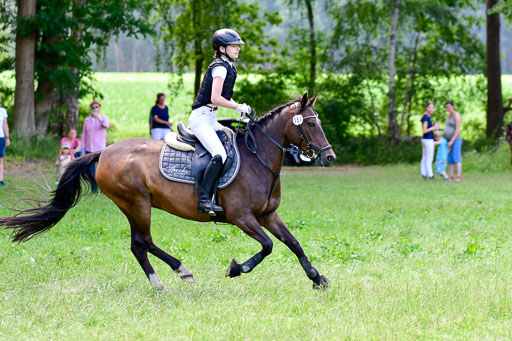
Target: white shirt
(221, 71)
(3, 116)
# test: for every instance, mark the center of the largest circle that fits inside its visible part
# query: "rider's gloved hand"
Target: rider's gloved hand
(243, 109)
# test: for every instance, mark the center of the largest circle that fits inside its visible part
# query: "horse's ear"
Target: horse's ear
(304, 100)
(313, 100)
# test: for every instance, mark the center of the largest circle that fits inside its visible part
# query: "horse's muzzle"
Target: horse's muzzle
(328, 158)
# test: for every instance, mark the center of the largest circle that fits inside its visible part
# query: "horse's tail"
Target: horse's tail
(34, 221)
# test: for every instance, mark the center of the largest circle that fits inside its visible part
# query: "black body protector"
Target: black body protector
(204, 95)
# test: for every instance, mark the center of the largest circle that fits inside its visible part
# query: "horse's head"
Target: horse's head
(305, 131)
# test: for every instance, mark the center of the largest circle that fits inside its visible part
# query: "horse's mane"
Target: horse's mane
(268, 116)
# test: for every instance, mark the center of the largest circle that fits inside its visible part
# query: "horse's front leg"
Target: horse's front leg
(275, 225)
(251, 226)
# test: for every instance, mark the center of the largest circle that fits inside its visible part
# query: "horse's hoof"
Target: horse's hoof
(185, 274)
(323, 283)
(188, 278)
(234, 269)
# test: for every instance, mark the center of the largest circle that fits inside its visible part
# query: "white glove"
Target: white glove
(243, 109)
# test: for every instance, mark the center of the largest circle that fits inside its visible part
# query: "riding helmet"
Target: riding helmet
(225, 37)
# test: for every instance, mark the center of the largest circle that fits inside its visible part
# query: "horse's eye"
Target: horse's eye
(311, 124)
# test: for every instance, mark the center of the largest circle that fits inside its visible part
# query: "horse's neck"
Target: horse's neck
(272, 154)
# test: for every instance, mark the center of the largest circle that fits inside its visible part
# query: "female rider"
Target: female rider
(216, 90)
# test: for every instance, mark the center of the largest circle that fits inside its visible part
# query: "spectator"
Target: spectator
(4, 141)
(427, 142)
(63, 160)
(94, 133)
(75, 143)
(442, 156)
(452, 134)
(159, 120)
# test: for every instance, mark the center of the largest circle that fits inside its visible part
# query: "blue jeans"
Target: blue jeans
(94, 187)
(454, 156)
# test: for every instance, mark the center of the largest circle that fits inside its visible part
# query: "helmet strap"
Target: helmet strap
(225, 54)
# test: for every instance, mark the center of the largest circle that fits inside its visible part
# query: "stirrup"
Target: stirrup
(211, 208)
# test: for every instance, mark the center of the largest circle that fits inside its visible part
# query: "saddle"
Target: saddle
(184, 158)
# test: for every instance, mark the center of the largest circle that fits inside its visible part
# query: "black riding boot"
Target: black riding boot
(210, 176)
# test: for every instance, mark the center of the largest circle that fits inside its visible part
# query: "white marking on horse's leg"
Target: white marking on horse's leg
(156, 282)
(185, 274)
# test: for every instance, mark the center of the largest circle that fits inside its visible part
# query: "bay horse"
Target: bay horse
(128, 174)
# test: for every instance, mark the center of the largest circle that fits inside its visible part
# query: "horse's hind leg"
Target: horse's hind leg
(139, 249)
(250, 225)
(139, 217)
(175, 264)
(276, 226)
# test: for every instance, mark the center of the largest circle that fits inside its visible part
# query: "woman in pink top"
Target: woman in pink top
(73, 141)
(94, 133)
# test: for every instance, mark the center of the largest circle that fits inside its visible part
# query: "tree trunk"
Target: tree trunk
(134, 55)
(72, 112)
(23, 118)
(47, 103)
(393, 127)
(116, 54)
(494, 96)
(197, 47)
(312, 47)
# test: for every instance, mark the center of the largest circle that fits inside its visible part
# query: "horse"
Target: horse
(127, 172)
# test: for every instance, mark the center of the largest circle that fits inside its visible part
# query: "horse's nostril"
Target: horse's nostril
(329, 158)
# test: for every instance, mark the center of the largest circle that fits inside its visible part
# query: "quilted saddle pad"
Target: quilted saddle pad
(176, 165)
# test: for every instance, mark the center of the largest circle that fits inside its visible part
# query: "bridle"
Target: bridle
(313, 151)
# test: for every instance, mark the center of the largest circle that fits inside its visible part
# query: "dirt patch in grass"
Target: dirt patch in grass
(29, 168)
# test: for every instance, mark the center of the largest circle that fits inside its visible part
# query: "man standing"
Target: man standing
(94, 133)
(4, 141)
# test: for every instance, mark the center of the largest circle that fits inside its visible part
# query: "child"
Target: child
(442, 156)
(63, 160)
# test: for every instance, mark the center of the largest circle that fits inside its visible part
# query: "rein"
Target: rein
(250, 142)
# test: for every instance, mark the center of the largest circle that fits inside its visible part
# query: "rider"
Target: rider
(216, 90)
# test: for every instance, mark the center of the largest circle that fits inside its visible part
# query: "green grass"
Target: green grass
(407, 259)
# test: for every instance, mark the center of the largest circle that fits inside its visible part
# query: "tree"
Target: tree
(393, 126)
(433, 45)
(186, 27)
(65, 34)
(495, 109)
(23, 123)
(494, 96)
(312, 41)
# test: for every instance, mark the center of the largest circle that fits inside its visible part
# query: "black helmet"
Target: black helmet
(225, 37)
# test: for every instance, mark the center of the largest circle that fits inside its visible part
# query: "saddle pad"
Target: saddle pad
(176, 165)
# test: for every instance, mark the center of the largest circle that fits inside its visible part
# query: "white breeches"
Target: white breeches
(427, 157)
(203, 123)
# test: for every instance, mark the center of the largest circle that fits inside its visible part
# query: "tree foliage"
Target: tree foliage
(186, 26)
(433, 42)
(68, 32)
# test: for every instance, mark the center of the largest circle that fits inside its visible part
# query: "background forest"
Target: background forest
(375, 63)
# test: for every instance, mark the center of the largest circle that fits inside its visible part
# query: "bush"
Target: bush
(35, 148)
(268, 92)
(373, 151)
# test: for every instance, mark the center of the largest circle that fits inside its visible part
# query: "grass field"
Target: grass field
(407, 259)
